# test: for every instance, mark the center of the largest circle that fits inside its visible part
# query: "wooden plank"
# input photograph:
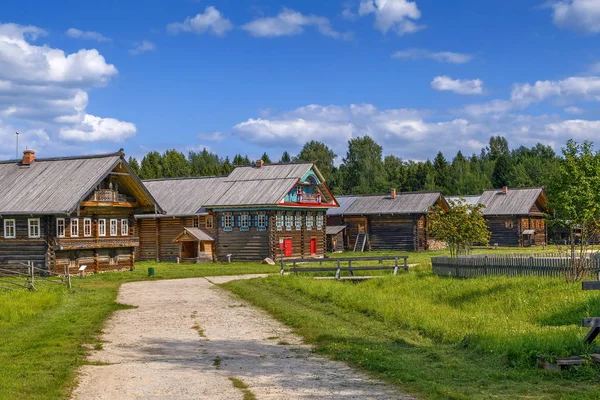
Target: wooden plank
(590, 285)
(591, 322)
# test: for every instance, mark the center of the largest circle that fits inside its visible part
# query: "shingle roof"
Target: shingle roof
(270, 171)
(334, 229)
(57, 185)
(404, 203)
(198, 234)
(515, 202)
(344, 202)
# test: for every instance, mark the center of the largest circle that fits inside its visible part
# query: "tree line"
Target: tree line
(364, 169)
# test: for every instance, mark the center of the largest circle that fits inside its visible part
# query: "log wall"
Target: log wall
(388, 232)
(501, 234)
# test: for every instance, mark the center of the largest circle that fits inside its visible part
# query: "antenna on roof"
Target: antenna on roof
(17, 153)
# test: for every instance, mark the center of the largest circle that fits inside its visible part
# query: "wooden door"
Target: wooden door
(313, 246)
(287, 247)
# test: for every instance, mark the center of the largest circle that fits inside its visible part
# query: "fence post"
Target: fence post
(396, 266)
(282, 267)
(337, 273)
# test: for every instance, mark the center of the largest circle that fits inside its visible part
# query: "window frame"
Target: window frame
(245, 222)
(29, 226)
(76, 233)
(279, 221)
(196, 222)
(310, 221)
(261, 222)
(116, 226)
(124, 227)
(87, 222)
(320, 221)
(298, 221)
(14, 228)
(228, 222)
(102, 227)
(509, 224)
(64, 227)
(289, 222)
(209, 222)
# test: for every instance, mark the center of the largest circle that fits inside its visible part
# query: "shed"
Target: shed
(335, 238)
(195, 245)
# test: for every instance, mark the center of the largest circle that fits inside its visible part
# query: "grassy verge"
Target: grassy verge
(43, 334)
(438, 337)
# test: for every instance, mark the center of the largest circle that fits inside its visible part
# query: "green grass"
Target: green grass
(240, 384)
(42, 334)
(441, 337)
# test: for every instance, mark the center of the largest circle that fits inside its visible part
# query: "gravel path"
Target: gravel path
(188, 337)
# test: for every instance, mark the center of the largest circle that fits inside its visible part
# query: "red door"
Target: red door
(287, 247)
(313, 246)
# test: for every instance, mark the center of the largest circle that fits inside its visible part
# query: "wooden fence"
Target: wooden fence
(300, 265)
(26, 276)
(513, 265)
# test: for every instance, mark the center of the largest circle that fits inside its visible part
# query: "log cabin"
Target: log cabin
(260, 211)
(63, 213)
(396, 221)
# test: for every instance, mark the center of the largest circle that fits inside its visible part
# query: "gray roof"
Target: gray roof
(270, 171)
(515, 202)
(199, 234)
(404, 203)
(334, 229)
(58, 185)
(468, 200)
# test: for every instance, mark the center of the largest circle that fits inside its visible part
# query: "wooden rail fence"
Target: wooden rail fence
(512, 265)
(297, 265)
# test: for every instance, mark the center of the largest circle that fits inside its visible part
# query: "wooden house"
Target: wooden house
(68, 212)
(258, 211)
(516, 217)
(396, 221)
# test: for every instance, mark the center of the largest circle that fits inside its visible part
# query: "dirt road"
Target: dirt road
(189, 339)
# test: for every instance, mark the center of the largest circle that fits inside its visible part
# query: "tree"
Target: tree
(460, 226)
(174, 164)
(204, 163)
(498, 147)
(285, 157)
(239, 160)
(395, 172)
(575, 200)
(321, 155)
(441, 171)
(135, 166)
(364, 171)
(501, 174)
(226, 167)
(265, 158)
(151, 167)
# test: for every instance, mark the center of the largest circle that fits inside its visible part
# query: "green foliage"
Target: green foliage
(321, 155)
(135, 166)
(239, 160)
(285, 157)
(363, 167)
(460, 226)
(265, 158)
(151, 166)
(205, 163)
(174, 164)
(501, 174)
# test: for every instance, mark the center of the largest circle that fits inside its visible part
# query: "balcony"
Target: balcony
(108, 195)
(309, 198)
(95, 243)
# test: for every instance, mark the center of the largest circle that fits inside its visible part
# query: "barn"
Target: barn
(396, 221)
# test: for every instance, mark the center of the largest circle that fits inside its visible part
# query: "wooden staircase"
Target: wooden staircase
(361, 241)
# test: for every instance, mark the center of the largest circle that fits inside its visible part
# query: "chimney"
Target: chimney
(28, 157)
(259, 163)
(505, 189)
(393, 194)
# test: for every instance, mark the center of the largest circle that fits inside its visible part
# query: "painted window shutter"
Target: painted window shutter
(222, 221)
(239, 220)
(267, 220)
(256, 220)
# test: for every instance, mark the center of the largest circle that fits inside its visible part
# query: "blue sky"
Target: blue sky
(252, 76)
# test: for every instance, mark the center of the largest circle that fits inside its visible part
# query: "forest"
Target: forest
(365, 170)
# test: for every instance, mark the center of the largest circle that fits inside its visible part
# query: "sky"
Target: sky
(89, 77)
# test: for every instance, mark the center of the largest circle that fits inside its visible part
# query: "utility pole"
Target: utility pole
(17, 153)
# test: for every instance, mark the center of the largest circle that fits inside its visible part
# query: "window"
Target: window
(526, 224)
(74, 227)
(244, 222)
(319, 221)
(227, 222)
(508, 224)
(34, 227)
(113, 227)
(87, 227)
(209, 222)
(279, 221)
(196, 222)
(288, 221)
(60, 227)
(10, 231)
(124, 227)
(298, 221)
(261, 222)
(101, 227)
(309, 222)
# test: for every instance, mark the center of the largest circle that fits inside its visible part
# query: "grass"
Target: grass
(239, 384)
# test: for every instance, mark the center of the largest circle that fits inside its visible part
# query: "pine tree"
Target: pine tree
(135, 166)
(501, 174)
(285, 157)
(265, 158)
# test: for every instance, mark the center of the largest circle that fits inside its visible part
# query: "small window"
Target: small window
(508, 224)
(74, 227)
(60, 227)
(261, 222)
(196, 222)
(101, 227)
(289, 221)
(298, 221)
(10, 231)
(124, 227)
(309, 222)
(227, 222)
(209, 222)
(319, 221)
(34, 228)
(87, 227)
(113, 227)
(244, 222)
(279, 222)
(526, 224)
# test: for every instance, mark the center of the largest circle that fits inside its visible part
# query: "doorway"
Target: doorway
(287, 247)
(313, 246)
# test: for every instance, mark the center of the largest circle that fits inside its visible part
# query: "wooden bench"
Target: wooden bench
(345, 268)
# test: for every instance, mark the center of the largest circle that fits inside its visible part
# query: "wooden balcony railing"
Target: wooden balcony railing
(95, 243)
(108, 195)
(309, 198)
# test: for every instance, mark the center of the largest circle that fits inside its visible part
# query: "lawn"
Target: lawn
(44, 334)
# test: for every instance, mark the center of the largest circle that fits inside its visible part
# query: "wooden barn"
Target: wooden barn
(516, 217)
(258, 211)
(71, 211)
(397, 221)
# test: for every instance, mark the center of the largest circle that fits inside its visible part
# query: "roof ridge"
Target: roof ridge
(509, 189)
(106, 155)
(388, 194)
(182, 178)
(274, 164)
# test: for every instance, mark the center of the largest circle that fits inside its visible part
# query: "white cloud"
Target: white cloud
(79, 34)
(574, 110)
(211, 21)
(289, 22)
(94, 129)
(577, 129)
(581, 15)
(396, 15)
(142, 47)
(459, 86)
(578, 88)
(439, 56)
(490, 107)
(213, 136)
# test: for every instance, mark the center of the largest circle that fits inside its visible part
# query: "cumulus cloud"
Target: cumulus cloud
(458, 86)
(581, 15)
(577, 129)
(142, 47)
(574, 110)
(578, 88)
(289, 22)
(396, 15)
(211, 21)
(439, 56)
(91, 35)
(93, 129)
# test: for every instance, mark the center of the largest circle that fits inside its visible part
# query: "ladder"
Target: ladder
(361, 241)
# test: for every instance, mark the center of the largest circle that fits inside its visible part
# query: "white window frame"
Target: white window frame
(289, 222)
(87, 223)
(124, 227)
(7, 223)
(209, 222)
(245, 222)
(61, 225)
(261, 224)
(74, 227)
(310, 221)
(228, 222)
(279, 221)
(298, 221)
(102, 227)
(114, 224)
(320, 221)
(30, 225)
